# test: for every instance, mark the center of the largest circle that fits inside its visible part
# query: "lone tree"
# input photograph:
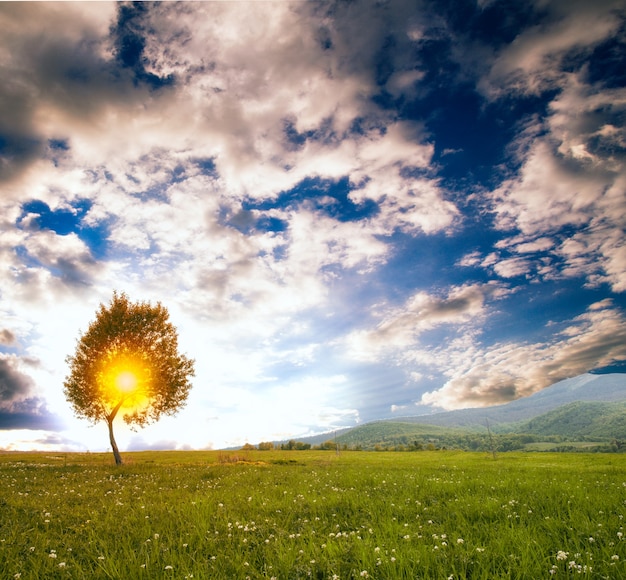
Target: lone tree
(128, 361)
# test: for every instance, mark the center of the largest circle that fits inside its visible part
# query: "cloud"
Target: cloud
(572, 178)
(65, 257)
(266, 120)
(263, 195)
(14, 384)
(7, 338)
(535, 61)
(35, 418)
(55, 66)
(569, 161)
(542, 244)
(548, 194)
(400, 328)
(512, 267)
(140, 444)
(502, 372)
(470, 260)
(19, 407)
(25, 439)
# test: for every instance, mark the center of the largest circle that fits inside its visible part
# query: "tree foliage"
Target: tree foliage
(128, 361)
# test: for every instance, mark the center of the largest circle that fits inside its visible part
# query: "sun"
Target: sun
(125, 380)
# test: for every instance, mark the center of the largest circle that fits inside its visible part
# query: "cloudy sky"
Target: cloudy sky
(352, 210)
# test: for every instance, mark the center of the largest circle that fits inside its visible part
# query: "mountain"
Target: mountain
(392, 433)
(583, 424)
(588, 406)
(580, 419)
(587, 387)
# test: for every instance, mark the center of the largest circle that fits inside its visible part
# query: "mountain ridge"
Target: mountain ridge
(586, 387)
(596, 397)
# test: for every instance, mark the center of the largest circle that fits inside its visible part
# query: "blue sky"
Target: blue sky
(351, 210)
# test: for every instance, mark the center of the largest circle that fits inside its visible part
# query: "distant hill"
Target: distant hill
(317, 439)
(392, 433)
(587, 387)
(580, 419)
(590, 406)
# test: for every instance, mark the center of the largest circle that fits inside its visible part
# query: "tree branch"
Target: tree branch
(117, 407)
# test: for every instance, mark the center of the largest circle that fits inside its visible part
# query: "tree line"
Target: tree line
(470, 442)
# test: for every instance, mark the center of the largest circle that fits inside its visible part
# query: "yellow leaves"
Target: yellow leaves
(128, 360)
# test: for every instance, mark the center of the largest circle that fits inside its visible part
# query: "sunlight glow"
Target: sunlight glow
(126, 379)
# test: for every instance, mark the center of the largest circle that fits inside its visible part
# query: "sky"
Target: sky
(351, 210)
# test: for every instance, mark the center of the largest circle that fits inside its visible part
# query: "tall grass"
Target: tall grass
(288, 515)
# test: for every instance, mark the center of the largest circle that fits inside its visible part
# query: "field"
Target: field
(312, 514)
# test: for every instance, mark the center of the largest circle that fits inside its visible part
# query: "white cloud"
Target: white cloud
(483, 376)
(532, 63)
(557, 187)
(470, 260)
(179, 178)
(542, 244)
(400, 328)
(546, 195)
(512, 267)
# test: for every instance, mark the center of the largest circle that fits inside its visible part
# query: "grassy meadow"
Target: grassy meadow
(312, 514)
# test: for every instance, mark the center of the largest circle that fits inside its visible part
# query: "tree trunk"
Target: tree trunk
(110, 418)
(116, 451)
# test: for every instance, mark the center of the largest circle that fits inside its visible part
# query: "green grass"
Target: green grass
(300, 514)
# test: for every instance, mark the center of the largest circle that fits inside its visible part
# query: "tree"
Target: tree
(128, 361)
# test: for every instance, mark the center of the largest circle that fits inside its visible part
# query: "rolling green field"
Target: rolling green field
(286, 515)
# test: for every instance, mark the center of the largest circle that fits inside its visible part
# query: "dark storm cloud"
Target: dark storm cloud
(14, 385)
(18, 409)
(37, 418)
